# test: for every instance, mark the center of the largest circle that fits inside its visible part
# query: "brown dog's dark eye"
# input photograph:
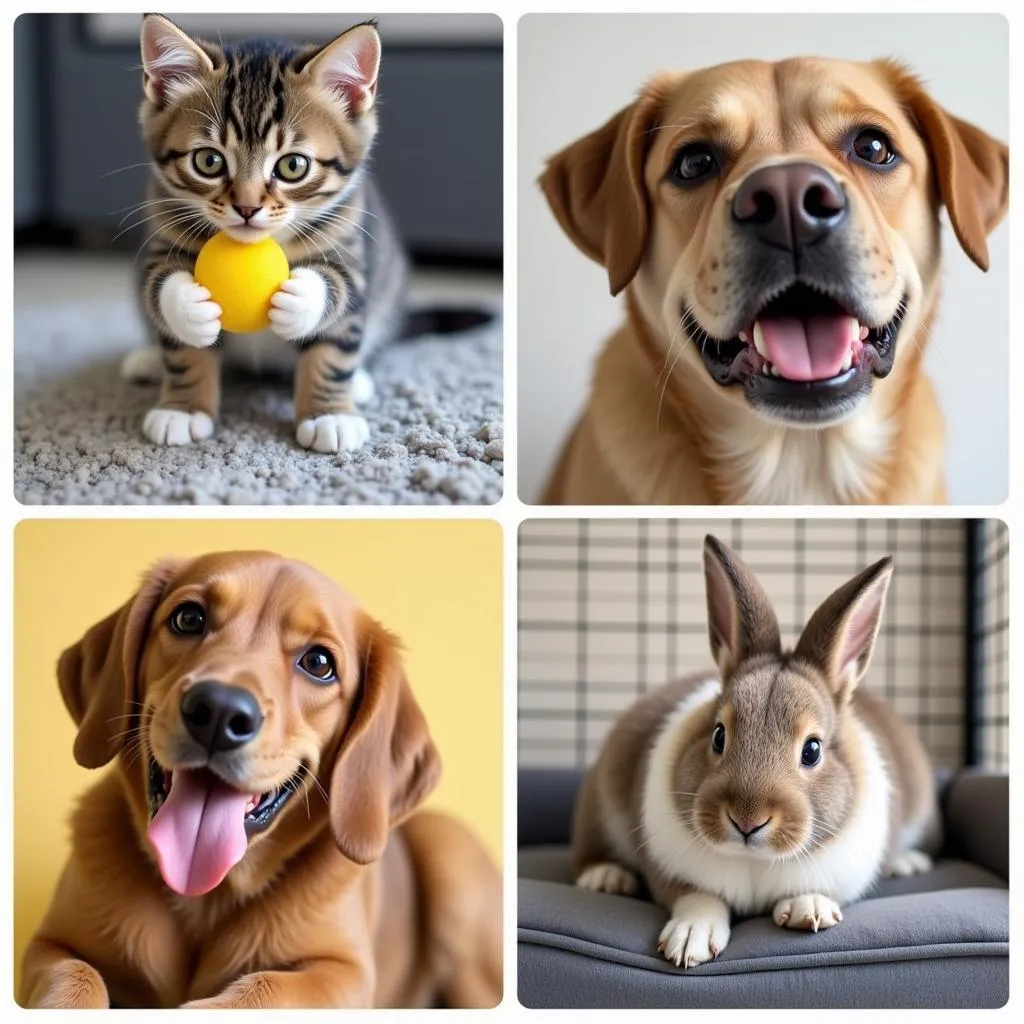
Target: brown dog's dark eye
(718, 739)
(188, 619)
(874, 147)
(694, 162)
(318, 663)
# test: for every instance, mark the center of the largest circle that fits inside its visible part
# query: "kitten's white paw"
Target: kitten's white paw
(299, 305)
(697, 931)
(607, 877)
(174, 427)
(808, 913)
(908, 862)
(188, 312)
(336, 432)
(143, 365)
(363, 388)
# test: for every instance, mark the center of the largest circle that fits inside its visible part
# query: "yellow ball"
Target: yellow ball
(242, 278)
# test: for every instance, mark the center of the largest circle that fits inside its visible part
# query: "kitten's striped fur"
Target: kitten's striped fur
(266, 110)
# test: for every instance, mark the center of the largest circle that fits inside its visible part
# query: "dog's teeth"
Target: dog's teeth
(775, 373)
(766, 369)
(848, 361)
(744, 336)
(864, 332)
(759, 340)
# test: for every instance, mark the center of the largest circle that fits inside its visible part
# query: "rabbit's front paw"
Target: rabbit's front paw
(908, 862)
(697, 931)
(808, 913)
(188, 312)
(607, 877)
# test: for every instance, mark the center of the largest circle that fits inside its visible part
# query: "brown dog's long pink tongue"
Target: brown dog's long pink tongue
(812, 349)
(199, 832)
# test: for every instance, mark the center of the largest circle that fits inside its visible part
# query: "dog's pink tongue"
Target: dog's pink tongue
(199, 832)
(811, 349)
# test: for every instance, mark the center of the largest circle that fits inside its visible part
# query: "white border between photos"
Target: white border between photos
(510, 511)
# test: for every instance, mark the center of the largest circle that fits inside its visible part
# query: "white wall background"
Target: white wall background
(575, 71)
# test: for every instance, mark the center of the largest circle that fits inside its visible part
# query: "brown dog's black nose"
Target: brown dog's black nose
(220, 717)
(247, 212)
(790, 206)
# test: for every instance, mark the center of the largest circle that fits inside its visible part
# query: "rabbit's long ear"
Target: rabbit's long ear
(741, 620)
(840, 636)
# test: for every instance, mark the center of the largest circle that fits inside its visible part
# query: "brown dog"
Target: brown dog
(244, 852)
(776, 228)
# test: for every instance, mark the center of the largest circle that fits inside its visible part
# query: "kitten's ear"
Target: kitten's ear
(171, 61)
(347, 67)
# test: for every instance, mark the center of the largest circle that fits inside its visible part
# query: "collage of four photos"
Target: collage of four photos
(701, 702)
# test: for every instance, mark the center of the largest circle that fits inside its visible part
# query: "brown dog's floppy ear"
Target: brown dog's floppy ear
(387, 764)
(596, 189)
(741, 621)
(972, 169)
(840, 636)
(97, 675)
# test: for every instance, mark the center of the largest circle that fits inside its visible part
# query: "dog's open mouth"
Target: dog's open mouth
(801, 337)
(200, 824)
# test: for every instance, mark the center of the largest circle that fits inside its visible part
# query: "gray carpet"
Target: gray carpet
(435, 425)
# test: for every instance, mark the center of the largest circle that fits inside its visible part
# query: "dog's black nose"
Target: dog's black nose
(220, 717)
(789, 206)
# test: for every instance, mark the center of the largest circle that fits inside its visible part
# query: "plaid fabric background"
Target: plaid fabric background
(609, 609)
(992, 642)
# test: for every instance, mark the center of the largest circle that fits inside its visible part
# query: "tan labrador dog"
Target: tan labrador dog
(776, 230)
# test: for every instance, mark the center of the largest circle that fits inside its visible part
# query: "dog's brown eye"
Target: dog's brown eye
(811, 754)
(873, 147)
(694, 162)
(188, 619)
(318, 663)
(718, 739)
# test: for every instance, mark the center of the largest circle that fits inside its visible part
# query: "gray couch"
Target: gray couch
(937, 940)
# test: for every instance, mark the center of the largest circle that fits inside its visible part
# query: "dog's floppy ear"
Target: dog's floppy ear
(387, 764)
(972, 169)
(596, 188)
(98, 675)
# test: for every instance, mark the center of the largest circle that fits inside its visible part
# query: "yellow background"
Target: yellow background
(436, 584)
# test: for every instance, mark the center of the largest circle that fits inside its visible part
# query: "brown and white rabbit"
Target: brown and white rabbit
(775, 785)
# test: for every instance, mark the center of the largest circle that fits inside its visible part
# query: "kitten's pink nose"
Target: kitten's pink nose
(247, 212)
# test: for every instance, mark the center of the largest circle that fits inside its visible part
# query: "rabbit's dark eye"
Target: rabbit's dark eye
(718, 739)
(811, 754)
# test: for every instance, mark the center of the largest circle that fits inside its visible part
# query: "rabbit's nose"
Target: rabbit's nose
(748, 826)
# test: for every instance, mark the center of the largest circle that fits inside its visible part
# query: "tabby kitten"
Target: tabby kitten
(265, 139)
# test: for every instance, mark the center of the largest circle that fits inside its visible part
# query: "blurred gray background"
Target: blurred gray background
(438, 157)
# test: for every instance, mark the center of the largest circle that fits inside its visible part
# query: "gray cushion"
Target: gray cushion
(935, 940)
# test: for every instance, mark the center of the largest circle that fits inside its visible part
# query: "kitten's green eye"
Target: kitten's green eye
(292, 167)
(208, 162)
